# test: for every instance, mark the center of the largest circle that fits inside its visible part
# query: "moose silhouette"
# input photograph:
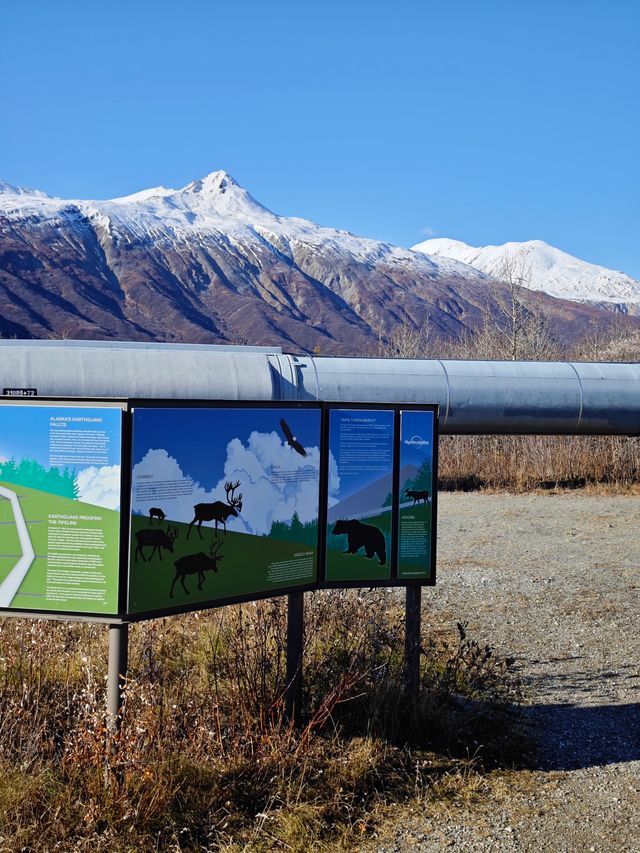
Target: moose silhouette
(156, 512)
(155, 539)
(193, 564)
(417, 496)
(218, 511)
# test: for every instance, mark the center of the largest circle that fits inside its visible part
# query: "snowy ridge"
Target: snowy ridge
(544, 268)
(10, 189)
(217, 206)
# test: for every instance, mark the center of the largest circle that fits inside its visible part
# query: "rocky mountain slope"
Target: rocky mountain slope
(208, 264)
(546, 268)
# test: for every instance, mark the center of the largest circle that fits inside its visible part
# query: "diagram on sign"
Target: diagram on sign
(11, 583)
(233, 484)
(59, 507)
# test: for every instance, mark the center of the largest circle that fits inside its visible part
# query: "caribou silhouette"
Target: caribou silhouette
(193, 564)
(156, 539)
(156, 512)
(218, 511)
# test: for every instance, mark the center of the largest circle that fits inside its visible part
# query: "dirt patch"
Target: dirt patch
(553, 580)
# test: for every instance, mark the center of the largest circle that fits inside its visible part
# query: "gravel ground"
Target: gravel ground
(555, 581)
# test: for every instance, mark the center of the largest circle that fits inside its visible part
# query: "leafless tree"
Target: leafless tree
(407, 341)
(522, 327)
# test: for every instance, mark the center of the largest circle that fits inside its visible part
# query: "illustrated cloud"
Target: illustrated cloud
(100, 486)
(275, 483)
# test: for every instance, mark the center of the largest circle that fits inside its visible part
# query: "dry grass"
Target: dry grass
(205, 759)
(524, 463)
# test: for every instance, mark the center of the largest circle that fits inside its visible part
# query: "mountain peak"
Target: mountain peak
(218, 192)
(215, 182)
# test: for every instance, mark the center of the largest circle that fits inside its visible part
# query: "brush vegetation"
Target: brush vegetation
(205, 758)
(525, 462)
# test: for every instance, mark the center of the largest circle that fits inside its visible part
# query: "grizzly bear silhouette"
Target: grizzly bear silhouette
(361, 535)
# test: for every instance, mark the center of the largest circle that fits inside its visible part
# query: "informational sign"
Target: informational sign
(360, 494)
(224, 503)
(415, 503)
(60, 479)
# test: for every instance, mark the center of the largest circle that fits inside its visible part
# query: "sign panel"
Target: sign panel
(224, 503)
(415, 516)
(60, 507)
(360, 494)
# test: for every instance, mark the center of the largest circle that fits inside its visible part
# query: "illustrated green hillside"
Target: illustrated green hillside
(36, 508)
(357, 567)
(242, 570)
(9, 541)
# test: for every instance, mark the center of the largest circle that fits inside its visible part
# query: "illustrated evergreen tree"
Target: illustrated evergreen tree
(295, 531)
(422, 480)
(296, 525)
(33, 475)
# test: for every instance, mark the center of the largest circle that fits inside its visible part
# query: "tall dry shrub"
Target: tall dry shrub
(205, 756)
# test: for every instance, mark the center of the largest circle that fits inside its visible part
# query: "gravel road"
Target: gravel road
(555, 581)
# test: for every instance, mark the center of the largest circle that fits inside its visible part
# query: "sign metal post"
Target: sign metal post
(412, 641)
(295, 643)
(117, 672)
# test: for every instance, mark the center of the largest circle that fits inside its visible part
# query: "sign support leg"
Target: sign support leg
(295, 637)
(117, 672)
(412, 641)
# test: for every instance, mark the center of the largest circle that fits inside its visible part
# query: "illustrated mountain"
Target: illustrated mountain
(371, 497)
(543, 267)
(208, 264)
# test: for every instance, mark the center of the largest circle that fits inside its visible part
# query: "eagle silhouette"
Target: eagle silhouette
(291, 439)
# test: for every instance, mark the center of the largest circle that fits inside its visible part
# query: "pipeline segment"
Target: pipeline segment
(475, 397)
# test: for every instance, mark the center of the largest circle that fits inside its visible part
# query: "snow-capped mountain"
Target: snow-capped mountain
(208, 263)
(207, 208)
(543, 267)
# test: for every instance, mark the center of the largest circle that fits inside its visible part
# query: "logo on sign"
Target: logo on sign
(417, 441)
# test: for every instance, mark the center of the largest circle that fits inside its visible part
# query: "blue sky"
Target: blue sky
(197, 438)
(482, 121)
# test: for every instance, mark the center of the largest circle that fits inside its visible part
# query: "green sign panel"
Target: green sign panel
(60, 507)
(224, 504)
(415, 501)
